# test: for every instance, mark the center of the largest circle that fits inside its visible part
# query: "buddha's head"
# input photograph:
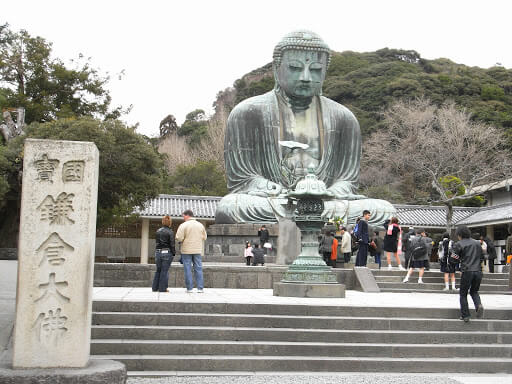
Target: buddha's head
(300, 63)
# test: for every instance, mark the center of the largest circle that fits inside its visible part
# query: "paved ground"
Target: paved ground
(264, 296)
(353, 298)
(329, 378)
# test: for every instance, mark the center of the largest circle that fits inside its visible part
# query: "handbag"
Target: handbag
(267, 245)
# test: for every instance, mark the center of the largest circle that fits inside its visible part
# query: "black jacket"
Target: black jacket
(264, 236)
(470, 254)
(491, 251)
(164, 238)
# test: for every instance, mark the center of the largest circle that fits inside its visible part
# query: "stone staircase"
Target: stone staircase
(158, 339)
(433, 281)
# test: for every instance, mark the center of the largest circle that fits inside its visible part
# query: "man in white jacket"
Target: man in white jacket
(192, 235)
(346, 244)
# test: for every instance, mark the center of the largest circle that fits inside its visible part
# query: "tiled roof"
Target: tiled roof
(490, 215)
(203, 207)
(430, 216)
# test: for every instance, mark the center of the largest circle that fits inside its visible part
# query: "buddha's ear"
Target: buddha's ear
(275, 67)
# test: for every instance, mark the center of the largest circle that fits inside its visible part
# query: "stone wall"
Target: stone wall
(215, 276)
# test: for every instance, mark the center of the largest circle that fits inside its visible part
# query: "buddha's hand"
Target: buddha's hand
(266, 188)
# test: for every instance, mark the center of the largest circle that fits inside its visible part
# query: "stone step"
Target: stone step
(419, 290)
(430, 279)
(413, 283)
(310, 363)
(309, 322)
(395, 271)
(272, 348)
(289, 309)
(297, 334)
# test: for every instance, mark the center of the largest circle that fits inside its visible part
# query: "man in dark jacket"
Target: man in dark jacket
(405, 243)
(264, 237)
(363, 239)
(469, 252)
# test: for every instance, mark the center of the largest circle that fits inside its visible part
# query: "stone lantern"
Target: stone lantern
(309, 276)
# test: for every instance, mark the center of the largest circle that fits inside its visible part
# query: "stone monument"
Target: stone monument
(260, 172)
(55, 264)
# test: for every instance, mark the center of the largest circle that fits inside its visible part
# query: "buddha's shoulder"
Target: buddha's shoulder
(334, 108)
(254, 103)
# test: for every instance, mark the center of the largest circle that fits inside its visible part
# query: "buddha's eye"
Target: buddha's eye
(295, 65)
(316, 66)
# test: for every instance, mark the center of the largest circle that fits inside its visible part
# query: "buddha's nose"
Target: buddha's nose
(305, 76)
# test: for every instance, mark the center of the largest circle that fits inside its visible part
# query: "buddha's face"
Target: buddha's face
(302, 73)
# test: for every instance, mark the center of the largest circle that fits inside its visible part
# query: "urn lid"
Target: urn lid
(311, 186)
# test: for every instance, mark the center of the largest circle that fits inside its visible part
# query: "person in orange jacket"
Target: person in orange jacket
(334, 252)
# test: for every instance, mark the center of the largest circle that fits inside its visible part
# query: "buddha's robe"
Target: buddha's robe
(253, 156)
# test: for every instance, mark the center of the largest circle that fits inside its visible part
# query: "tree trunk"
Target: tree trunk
(449, 218)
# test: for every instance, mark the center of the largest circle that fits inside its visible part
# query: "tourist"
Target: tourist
(164, 253)
(346, 244)
(264, 237)
(491, 252)
(430, 244)
(405, 249)
(419, 254)
(469, 252)
(377, 250)
(259, 255)
(363, 239)
(444, 250)
(248, 252)
(326, 247)
(508, 246)
(192, 235)
(334, 250)
(393, 242)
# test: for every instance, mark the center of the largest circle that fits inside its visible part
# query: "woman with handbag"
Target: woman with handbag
(393, 242)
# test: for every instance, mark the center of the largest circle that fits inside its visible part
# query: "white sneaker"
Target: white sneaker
(420, 281)
(389, 267)
(406, 280)
(190, 291)
(200, 291)
(401, 268)
(446, 289)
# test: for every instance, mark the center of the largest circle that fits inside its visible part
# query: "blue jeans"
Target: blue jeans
(188, 260)
(163, 262)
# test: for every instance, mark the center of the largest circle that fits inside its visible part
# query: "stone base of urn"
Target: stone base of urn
(309, 290)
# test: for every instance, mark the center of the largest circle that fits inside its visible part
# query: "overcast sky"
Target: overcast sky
(176, 55)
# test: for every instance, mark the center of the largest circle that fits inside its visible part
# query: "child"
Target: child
(259, 255)
(248, 253)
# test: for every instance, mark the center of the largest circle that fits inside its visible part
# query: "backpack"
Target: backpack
(418, 247)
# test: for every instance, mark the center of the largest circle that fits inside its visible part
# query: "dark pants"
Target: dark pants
(327, 257)
(248, 260)
(163, 262)
(469, 282)
(377, 258)
(362, 255)
(346, 257)
(407, 260)
(491, 265)
(332, 263)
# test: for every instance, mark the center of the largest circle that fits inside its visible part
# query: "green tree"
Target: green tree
(202, 178)
(195, 127)
(48, 89)
(131, 171)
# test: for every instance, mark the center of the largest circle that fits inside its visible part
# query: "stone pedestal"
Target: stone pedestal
(289, 242)
(56, 255)
(309, 290)
(97, 372)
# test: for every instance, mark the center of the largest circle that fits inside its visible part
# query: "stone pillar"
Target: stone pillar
(56, 254)
(490, 231)
(288, 247)
(144, 241)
